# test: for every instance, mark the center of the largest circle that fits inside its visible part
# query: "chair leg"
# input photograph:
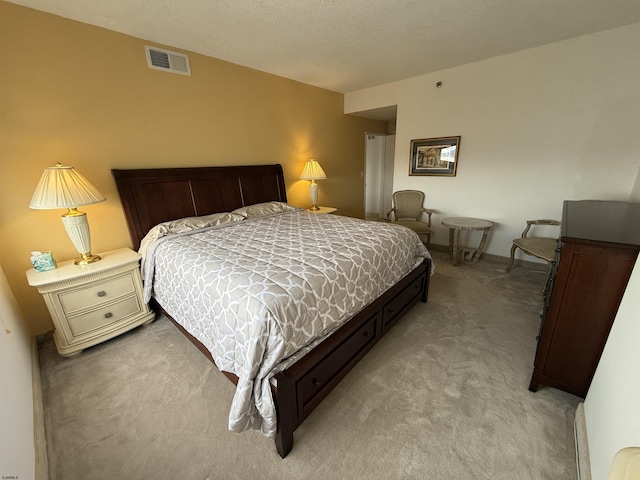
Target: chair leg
(513, 251)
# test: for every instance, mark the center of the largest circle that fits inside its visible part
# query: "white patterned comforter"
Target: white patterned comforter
(256, 292)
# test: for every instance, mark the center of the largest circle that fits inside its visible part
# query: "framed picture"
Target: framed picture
(434, 156)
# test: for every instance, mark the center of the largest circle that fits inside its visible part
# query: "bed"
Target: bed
(296, 383)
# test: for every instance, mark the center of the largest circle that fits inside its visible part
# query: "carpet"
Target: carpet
(444, 395)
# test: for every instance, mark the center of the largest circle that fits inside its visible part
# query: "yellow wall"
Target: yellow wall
(84, 96)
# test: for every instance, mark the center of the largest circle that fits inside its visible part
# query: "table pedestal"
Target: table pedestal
(455, 225)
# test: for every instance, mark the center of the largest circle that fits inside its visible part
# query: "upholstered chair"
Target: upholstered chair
(540, 247)
(408, 211)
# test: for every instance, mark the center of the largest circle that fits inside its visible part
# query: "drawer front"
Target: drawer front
(327, 370)
(97, 293)
(404, 299)
(81, 324)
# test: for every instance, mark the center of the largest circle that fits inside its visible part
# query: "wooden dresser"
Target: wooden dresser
(598, 246)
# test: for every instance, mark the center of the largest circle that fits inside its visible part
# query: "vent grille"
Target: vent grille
(168, 61)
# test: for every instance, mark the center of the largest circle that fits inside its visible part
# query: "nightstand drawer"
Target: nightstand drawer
(95, 294)
(101, 317)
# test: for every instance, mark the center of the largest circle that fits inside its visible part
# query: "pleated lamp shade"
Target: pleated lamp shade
(312, 171)
(64, 187)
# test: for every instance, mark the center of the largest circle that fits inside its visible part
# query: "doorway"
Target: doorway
(378, 175)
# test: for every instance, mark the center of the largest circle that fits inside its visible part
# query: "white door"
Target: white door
(378, 175)
(387, 182)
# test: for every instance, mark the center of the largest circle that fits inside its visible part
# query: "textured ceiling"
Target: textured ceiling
(348, 45)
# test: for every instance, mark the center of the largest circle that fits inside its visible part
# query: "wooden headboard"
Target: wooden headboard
(152, 196)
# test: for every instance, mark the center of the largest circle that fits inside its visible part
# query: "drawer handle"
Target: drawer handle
(102, 293)
(366, 333)
(389, 311)
(108, 315)
(315, 381)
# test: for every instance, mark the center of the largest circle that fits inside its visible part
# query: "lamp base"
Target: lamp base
(86, 259)
(77, 227)
(313, 194)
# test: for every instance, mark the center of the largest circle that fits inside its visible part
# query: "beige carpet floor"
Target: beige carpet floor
(443, 396)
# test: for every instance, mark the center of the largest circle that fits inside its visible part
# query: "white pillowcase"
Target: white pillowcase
(187, 224)
(263, 209)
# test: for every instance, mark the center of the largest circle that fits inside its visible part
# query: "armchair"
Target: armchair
(407, 210)
(540, 247)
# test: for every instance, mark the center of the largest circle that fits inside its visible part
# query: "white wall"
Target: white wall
(612, 406)
(17, 450)
(553, 123)
(558, 122)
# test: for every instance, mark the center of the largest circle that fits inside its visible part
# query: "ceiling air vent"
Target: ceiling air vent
(160, 59)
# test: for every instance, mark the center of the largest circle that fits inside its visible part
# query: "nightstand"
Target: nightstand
(323, 210)
(93, 303)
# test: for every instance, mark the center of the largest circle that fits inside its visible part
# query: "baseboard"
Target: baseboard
(582, 445)
(39, 438)
(531, 265)
(44, 337)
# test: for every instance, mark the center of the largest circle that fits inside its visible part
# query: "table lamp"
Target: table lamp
(64, 187)
(313, 171)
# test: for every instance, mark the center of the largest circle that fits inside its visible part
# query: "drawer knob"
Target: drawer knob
(108, 315)
(315, 381)
(102, 293)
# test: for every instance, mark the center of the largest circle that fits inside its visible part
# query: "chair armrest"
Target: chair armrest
(389, 213)
(543, 221)
(429, 212)
(526, 230)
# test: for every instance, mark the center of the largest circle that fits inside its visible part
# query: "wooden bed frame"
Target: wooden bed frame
(151, 196)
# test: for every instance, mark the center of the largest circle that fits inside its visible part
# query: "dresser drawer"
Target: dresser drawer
(97, 293)
(106, 315)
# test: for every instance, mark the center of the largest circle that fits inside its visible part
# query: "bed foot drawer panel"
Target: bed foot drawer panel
(400, 304)
(328, 372)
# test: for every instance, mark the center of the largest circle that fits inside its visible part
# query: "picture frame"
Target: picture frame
(434, 156)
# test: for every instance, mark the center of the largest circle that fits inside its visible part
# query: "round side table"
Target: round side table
(455, 224)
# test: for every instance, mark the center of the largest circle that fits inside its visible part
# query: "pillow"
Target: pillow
(187, 224)
(263, 209)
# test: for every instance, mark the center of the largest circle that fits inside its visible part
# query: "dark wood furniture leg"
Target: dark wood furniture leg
(285, 403)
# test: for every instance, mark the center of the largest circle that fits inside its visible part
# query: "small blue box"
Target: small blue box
(43, 261)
